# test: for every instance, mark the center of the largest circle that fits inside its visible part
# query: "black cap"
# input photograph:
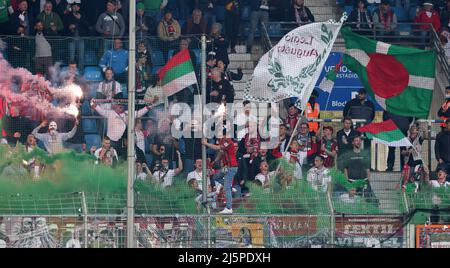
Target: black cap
(385, 2)
(362, 91)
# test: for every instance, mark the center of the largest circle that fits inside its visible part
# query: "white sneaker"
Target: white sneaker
(226, 211)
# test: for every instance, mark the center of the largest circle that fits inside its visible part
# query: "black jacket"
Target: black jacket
(356, 110)
(82, 25)
(442, 146)
(365, 17)
(15, 22)
(441, 112)
(19, 124)
(291, 15)
(341, 145)
(225, 89)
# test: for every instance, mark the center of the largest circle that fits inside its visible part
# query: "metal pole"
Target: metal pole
(429, 145)
(131, 117)
(85, 219)
(204, 177)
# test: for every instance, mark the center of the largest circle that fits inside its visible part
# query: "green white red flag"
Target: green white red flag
(386, 133)
(177, 74)
(400, 79)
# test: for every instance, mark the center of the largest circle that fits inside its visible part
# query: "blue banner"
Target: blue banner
(345, 88)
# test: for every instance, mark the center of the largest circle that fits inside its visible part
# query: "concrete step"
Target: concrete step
(324, 10)
(240, 57)
(242, 64)
(325, 17)
(319, 3)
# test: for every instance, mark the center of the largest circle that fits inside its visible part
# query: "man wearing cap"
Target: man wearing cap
(110, 24)
(442, 146)
(444, 111)
(76, 26)
(427, 16)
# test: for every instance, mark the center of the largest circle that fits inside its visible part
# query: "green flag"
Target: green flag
(400, 79)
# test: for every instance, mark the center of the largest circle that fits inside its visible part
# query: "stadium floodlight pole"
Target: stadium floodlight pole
(204, 177)
(131, 116)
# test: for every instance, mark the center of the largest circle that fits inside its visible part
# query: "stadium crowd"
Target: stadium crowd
(233, 162)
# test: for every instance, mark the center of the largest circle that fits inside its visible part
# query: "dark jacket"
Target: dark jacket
(15, 22)
(219, 46)
(365, 19)
(225, 89)
(82, 25)
(441, 112)
(343, 148)
(231, 76)
(19, 124)
(356, 110)
(442, 146)
(292, 17)
(192, 28)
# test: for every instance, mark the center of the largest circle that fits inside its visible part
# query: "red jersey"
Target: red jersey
(229, 152)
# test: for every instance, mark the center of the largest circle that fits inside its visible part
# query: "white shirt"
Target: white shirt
(141, 176)
(319, 178)
(263, 178)
(197, 176)
(168, 179)
(140, 140)
(117, 123)
(435, 184)
(108, 158)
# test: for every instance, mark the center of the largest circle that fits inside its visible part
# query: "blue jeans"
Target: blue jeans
(257, 18)
(77, 47)
(227, 179)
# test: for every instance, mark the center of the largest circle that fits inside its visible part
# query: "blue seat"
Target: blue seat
(90, 57)
(404, 29)
(412, 12)
(348, 9)
(93, 73)
(220, 13)
(182, 23)
(93, 140)
(197, 53)
(89, 125)
(86, 108)
(92, 86)
(274, 30)
(155, 69)
(401, 14)
(170, 54)
(246, 13)
(157, 58)
(124, 91)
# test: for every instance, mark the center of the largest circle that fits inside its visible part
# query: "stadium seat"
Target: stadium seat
(274, 30)
(245, 14)
(157, 58)
(93, 140)
(155, 69)
(125, 91)
(90, 58)
(404, 29)
(220, 13)
(86, 108)
(371, 8)
(93, 73)
(182, 23)
(197, 53)
(92, 86)
(348, 9)
(401, 14)
(170, 54)
(89, 126)
(412, 12)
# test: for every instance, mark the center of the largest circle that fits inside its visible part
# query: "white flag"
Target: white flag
(293, 66)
